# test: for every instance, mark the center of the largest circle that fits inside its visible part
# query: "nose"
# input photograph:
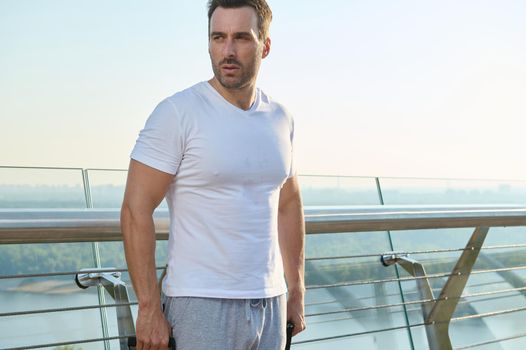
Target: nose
(229, 49)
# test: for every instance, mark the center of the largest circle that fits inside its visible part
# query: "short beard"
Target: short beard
(247, 74)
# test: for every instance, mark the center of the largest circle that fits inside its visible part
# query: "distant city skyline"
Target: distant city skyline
(377, 88)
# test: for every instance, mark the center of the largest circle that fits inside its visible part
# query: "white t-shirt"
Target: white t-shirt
(229, 166)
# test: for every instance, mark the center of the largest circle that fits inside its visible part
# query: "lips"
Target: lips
(230, 68)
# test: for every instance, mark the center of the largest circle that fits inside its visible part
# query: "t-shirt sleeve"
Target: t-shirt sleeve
(160, 144)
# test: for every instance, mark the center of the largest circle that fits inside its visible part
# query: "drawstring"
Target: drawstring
(247, 309)
(254, 303)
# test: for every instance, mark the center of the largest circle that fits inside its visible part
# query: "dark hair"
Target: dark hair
(263, 12)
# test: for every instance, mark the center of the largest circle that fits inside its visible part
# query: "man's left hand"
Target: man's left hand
(296, 311)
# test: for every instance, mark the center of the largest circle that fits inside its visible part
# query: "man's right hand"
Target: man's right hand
(153, 330)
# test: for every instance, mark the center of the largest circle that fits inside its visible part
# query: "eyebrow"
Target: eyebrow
(236, 33)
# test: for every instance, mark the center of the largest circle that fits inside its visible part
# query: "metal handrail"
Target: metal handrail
(101, 225)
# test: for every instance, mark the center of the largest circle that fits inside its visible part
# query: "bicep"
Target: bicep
(145, 186)
(289, 194)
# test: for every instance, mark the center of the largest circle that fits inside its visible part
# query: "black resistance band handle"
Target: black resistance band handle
(132, 343)
(290, 328)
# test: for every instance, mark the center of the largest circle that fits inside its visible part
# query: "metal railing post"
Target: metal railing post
(112, 283)
(438, 312)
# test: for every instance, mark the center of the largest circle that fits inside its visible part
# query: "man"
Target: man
(221, 153)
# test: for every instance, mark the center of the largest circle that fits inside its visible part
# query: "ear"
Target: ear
(266, 48)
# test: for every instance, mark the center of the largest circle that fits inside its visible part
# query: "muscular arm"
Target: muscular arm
(291, 230)
(145, 189)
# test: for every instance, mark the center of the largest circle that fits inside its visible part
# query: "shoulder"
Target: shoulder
(187, 97)
(275, 107)
(172, 109)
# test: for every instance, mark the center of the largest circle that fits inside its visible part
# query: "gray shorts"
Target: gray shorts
(227, 324)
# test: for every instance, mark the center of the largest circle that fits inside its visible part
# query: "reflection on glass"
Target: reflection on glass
(370, 299)
(106, 187)
(41, 188)
(440, 191)
(327, 191)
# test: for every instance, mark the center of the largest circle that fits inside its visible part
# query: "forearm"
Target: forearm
(291, 228)
(139, 245)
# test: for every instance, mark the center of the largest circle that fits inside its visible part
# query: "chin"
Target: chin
(231, 84)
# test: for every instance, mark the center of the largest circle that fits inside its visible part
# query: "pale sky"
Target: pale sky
(377, 88)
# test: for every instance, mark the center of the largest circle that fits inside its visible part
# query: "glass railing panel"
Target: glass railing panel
(438, 250)
(427, 247)
(356, 282)
(361, 265)
(490, 329)
(505, 248)
(395, 339)
(320, 192)
(346, 244)
(32, 330)
(450, 191)
(41, 188)
(474, 331)
(419, 338)
(106, 187)
(330, 191)
(46, 292)
(436, 192)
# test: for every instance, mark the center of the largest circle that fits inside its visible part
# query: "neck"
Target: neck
(242, 98)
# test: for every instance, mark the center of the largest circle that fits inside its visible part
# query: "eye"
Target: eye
(244, 37)
(217, 37)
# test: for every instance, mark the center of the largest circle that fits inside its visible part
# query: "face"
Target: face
(234, 47)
